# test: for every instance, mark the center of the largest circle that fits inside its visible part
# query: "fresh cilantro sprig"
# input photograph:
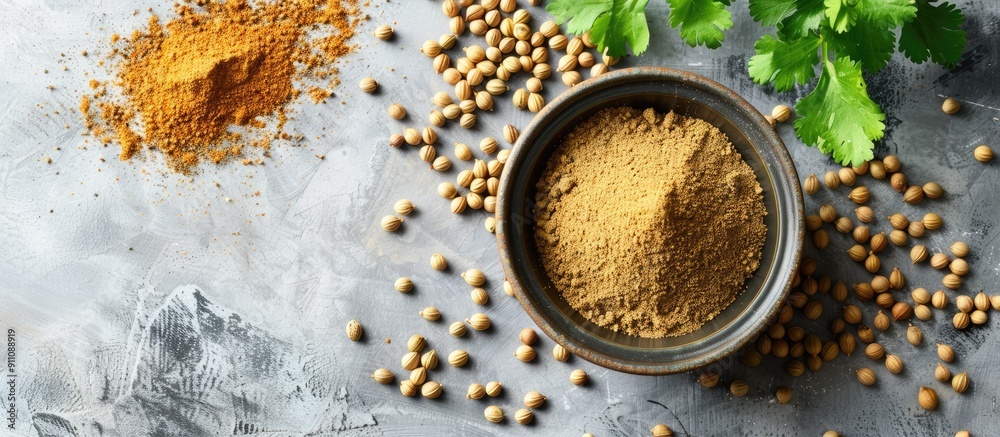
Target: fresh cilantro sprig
(836, 39)
(615, 25)
(842, 38)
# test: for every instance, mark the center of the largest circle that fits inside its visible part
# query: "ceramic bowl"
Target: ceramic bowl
(688, 94)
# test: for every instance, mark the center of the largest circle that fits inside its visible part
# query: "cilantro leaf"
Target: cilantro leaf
(579, 15)
(838, 116)
(612, 23)
(842, 14)
(887, 13)
(867, 43)
(934, 33)
(771, 12)
(700, 21)
(613, 30)
(784, 64)
(804, 21)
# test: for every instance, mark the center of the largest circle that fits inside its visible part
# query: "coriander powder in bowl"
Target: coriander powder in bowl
(650, 221)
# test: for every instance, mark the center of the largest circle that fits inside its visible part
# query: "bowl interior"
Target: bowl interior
(690, 95)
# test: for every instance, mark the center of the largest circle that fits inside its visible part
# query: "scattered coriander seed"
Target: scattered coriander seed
(560, 353)
(493, 389)
(898, 237)
(523, 416)
(923, 312)
(403, 207)
(918, 253)
(821, 239)
(739, 388)
(578, 377)
(952, 281)
(960, 249)
(893, 364)
(978, 317)
(982, 301)
(866, 334)
(528, 336)
(418, 376)
(467, 120)
(491, 224)
(878, 242)
(396, 140)
(520, 98)
(813, 222)
(708, 379)
(940, 261)
(939, 300)
(430, 314)
(916, 229)
(438, 262)
(896, 279)
(368, 85)
(662, 430)
(945, 353)
(831, 180)
(391, 223)
(866, 376)
(872, 263)
(411, 360)
(458, 358)
(411, 136)
(827, 213)
(951, 105)
(458, 205)
(474, 277)
(983, 153)
(876, 169)
(832, 433)
(463, 152)
(933, 190)
(431, 390)
(861, 169)
(963, 433)
(457, 329)
(941, 373)
(441, 163)
(407, 388)
(861, 234)
(864, 214)
(847, 176)
(383, 376)
(494, 414)
(913, 195)
(927, 398)
(932, 221)
(899, 221)
(403, 285)
(397, 111)
(507, 288)
(811, 184)
(429, 360)
(354, 330)
(383, 32)
(898, 182)
(960, 383)
(857, 253)
(479, 322)
(965, 304)
(959, 267)
(525, 353)
(479, 296)
(534, 399)
(416, 343)
(860, 195)
(781, 113)
(844, 225)
(476, 391)
(874, 351)
(428, 153)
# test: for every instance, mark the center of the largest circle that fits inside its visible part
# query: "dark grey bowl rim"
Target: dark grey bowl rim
(760, 310)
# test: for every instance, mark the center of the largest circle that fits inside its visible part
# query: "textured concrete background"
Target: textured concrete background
(144, 303)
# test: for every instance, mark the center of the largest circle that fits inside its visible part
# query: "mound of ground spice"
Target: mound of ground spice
(218, 77)
(649, 224)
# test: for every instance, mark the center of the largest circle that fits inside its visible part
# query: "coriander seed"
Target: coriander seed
(811, 184)
(831, 180)
(918, 254)
(479, 322)
(383, 376)
(866, 376)
(493, 414)
(416, 343)
(847, 176)
(528, 336)
(983, 153)
(430, 314)
(396, 111)
(383, 32)
(476, 391)
(893, 363)
(960, 382)
(407, 388)
(525, 353)
(411, 360)
(560, 353)
(354, 330)
(739, 388)
(781, 113)
(438, 262)
(951, 105)
(534, 399)
(523, 416)
(946, 353)
(578, 377)
(959, 249)
(429, 360)
(927, 398)
(941, 373)
(860, 195)
(458, 358)
(493, 389)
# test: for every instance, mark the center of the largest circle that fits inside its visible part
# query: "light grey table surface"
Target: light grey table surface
(145, 303)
